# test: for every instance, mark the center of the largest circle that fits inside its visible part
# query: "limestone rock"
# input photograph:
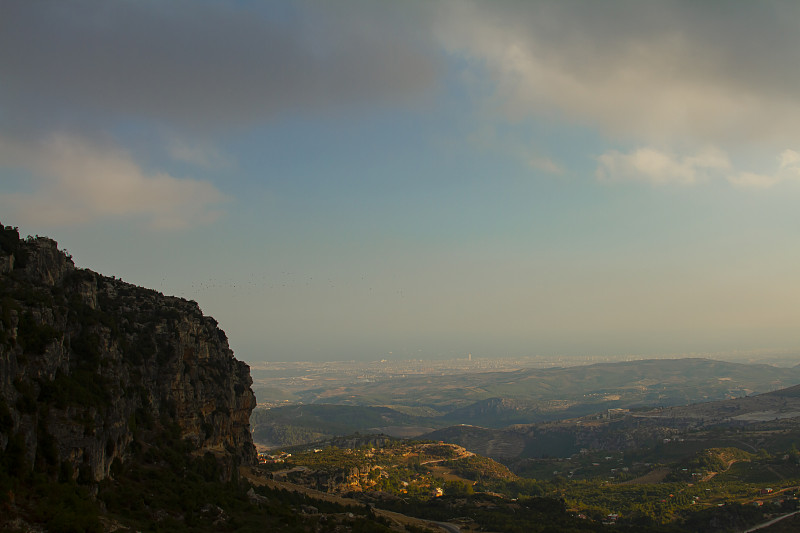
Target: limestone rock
(89, 364)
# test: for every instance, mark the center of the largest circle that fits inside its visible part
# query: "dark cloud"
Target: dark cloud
(709, 72)
(197, 64)
(739, 42)
(74, 74)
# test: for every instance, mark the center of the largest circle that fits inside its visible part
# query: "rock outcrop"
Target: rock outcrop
(92, 369)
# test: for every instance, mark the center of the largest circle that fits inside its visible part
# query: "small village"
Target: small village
(413, 470)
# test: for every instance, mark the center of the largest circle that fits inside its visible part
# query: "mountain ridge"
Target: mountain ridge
(701, 379)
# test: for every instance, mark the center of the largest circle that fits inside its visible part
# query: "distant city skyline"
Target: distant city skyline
(376, 180)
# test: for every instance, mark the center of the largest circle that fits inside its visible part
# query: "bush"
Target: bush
(81, 387)
(6, 420)
(458, 488)
(14, 459)
(86, 348)
(33, 336)
(26, 401)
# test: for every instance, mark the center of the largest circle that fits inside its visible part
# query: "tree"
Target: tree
(458, 488)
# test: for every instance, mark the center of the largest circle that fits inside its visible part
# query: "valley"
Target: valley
(122, 409)
(670, 465)
(716, 489)
(410, 405)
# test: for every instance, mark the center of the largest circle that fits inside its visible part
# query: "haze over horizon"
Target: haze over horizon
(366, 180)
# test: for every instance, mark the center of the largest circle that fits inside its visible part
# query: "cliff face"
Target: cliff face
(93, 368)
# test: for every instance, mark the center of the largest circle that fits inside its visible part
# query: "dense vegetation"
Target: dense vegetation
(165, 488)
(297, 424)
(715, 489)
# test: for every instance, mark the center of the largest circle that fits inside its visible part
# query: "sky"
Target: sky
(374, 180)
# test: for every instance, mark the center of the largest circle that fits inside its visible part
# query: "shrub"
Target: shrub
(33, 336)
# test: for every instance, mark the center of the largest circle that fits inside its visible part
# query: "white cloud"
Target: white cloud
(77, 181)
(753, 180)
(546, 164)
(659, 167)
(790, 160)
(788, 169)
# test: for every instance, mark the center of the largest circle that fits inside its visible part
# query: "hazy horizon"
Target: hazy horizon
(421, 180)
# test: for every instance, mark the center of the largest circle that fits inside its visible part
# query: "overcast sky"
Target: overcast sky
(368, 180)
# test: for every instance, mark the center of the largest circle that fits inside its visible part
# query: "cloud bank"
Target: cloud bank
(198, 64)
(674, 74)
(662, 71)
(658, 79)
(648, 164)
(75, 74)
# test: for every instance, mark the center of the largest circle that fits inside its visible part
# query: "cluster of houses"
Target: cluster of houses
(266, 458)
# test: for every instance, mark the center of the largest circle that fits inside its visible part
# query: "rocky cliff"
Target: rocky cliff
(93, 370)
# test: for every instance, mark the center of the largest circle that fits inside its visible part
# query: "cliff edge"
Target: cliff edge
(93, 370)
